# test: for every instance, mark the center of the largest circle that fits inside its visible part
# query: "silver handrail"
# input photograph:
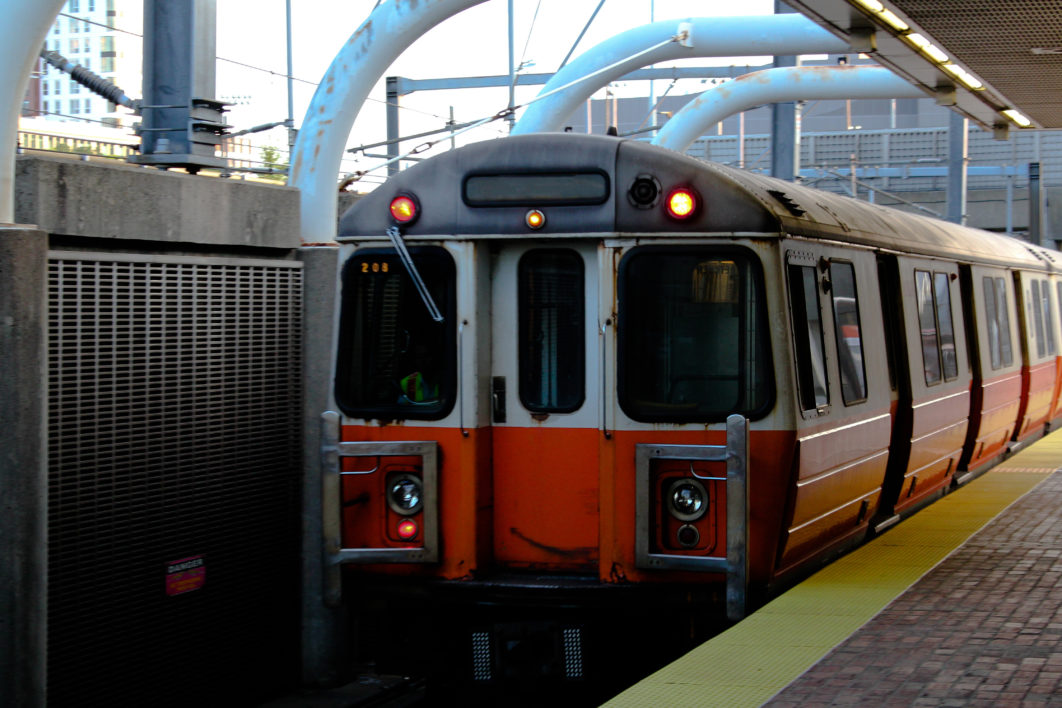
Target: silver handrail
(735, 453)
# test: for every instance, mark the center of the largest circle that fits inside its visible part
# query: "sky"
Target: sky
(472, 43)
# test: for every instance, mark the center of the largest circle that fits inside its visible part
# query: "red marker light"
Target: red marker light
(408, 529)
(404, 209)
(681, 203)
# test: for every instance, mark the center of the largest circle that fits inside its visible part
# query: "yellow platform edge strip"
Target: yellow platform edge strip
(752, 661)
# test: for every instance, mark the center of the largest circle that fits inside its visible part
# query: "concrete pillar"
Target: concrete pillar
(23, 466)
(323, 628)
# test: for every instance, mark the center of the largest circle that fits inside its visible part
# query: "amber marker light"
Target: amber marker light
(408, 530)
(535, 219)
(681, 203)
(404, 209)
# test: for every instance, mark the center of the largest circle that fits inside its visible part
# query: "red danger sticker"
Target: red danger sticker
(185, 575)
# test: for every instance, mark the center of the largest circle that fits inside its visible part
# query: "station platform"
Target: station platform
(958, 605)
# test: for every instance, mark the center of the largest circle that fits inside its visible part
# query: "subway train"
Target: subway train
(595, 399)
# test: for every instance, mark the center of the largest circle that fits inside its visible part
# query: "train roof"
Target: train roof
(735, 201)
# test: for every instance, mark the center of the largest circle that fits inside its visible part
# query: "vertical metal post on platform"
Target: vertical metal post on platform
(784, 157)
(958, 156)
(737, 516)
(1034, 203)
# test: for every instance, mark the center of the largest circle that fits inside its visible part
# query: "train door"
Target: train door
(1052, 315)
(996, 387)
(543, 412)
(1038, 365)
(933, 403)
(842, 395)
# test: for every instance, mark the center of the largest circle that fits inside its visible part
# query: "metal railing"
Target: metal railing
(735, 453)
(332, 453)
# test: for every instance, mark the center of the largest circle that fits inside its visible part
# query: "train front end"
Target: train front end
(540, 342)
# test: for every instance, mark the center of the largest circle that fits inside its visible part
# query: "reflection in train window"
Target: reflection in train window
(1049, 316)
(551, 331)
(927, 326)
(1038, 318)
(807, 331)
(849, 335)
(945, 328)
(997, 318)
(395, 361)
(693, 335)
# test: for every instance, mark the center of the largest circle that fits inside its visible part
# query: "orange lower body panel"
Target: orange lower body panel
(1038, 383)
(546, 500)
(994, 424)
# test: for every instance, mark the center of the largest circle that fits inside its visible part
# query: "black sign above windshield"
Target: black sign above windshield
(536, 189)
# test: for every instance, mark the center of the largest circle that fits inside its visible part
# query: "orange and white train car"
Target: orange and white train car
(541, 340)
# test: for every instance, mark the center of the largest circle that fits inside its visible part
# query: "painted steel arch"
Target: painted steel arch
(318, 151)
(790, 83)
(709, 37)
(26, 24)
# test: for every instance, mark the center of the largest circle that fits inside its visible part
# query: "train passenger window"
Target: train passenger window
(807, 330)
(928, 328)
(849, 335)
(1049, 317)
(693, 335)
(945, 327)
(997, 317)
(395, 361)
(1038, 318)
(552, 357)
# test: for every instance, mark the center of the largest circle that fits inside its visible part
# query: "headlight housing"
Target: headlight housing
(405, 493)
(687, 499)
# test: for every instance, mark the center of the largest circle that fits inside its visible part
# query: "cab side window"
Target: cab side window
(807, 331)
(847, 330)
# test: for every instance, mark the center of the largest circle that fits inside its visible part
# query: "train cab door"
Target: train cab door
(543, 413)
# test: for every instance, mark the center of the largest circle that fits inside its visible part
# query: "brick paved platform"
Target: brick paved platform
(983, 628)
(959, 605)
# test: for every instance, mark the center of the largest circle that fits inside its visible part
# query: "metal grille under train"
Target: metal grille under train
(174, 448)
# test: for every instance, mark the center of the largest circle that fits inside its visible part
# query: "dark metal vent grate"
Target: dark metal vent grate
(174, 435)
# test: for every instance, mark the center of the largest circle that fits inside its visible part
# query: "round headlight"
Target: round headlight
(404, 494)
(687, 499)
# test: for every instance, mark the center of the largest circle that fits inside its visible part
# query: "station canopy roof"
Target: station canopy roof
(1002, 59)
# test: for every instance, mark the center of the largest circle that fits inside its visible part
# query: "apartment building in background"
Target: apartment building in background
(101, 35)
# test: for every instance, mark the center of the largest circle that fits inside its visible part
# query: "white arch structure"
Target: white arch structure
(778, 35)
(318, 151)
(790, 83)
(26, 24)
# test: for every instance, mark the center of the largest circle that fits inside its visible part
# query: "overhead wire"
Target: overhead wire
(527, 42)
(279, 74)
(505, 112)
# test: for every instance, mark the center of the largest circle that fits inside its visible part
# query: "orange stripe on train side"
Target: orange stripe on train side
(1038, 384)
(994, 423)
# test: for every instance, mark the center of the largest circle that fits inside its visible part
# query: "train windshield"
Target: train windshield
(693, 335)
(395, 361)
